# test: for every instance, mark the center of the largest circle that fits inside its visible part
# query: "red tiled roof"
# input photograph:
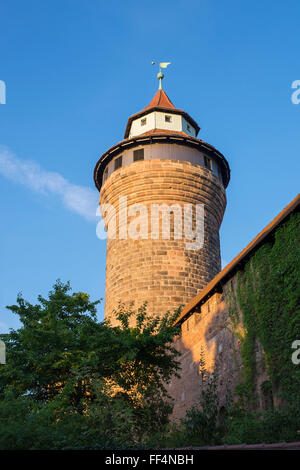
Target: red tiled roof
(238, 261)
(161, 100)
(164, 131)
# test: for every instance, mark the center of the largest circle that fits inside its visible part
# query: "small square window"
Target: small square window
(138, 155)
(207, 162)
(188, 127)
(118, 162)
(219, 173)
(105, 174)
(143, 122)
(168, 118)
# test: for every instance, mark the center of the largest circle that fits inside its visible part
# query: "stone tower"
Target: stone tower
(159, 171)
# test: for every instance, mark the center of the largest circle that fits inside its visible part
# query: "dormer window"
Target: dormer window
(118, 162)
(168, 118)
(143, 121)
(138, 155)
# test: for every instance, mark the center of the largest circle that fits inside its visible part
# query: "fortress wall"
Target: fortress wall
(213, 323)
(210, 329)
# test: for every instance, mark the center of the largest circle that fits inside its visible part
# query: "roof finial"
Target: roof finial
(160, 75)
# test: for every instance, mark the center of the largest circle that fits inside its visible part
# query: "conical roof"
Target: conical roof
(160, 100)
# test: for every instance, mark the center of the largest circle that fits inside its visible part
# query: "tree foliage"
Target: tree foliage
(268, 294)
(65, 369)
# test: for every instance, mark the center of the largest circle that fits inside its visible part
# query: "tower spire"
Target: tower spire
(160, 75)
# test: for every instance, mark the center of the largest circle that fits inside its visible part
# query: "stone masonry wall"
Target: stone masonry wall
(162, 272)
(211, 330)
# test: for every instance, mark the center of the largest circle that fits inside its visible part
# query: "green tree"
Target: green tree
(68, 369)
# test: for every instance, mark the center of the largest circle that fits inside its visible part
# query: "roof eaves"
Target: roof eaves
(160, 137)
(240, 259)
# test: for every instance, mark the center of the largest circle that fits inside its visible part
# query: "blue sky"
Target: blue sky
(75, 70)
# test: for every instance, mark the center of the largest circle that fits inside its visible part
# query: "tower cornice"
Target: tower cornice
(163, 137)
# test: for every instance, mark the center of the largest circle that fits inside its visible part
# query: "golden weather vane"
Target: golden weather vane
(160, 75)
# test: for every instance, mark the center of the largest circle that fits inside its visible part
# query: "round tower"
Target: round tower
(162, 196)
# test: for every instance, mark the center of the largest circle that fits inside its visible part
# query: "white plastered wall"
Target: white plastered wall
(156, 120)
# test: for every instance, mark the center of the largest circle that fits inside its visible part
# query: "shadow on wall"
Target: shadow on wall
(210, 336)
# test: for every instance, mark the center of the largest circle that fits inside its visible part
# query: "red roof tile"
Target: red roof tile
(164, 131)
(161, 100)
(241, 258)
